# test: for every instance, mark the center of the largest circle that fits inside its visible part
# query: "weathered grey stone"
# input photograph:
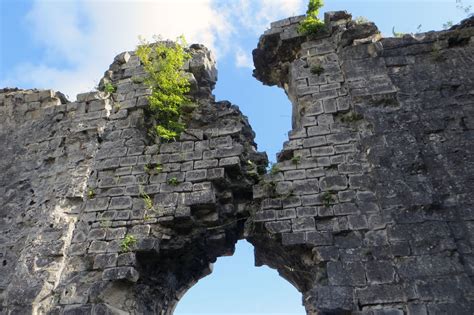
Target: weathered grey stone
(103, 261)
(370, 213)
(330, 183)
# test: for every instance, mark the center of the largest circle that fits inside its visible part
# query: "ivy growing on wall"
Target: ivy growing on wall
(163, 63)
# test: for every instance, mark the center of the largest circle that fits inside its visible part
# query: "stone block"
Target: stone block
(271, 203)
(196, 176)
(342, 137)
(206, 164)
(291, 202)
(166, 199)
(120, 203)
(334, 298)
(305, 187)
(103, 261)
(295, 174)
(204, 197)
(333, 183)
(220, 142)
(120, 273)
(345, 148)
(278, 227)
(323, 151)
(286, 214)
(96, 234)
(385, 293)
(380, 272)
(319, 238)
(360, 182)
(307, 211)
(128, 161)
(229, 161)
(346, 274)
(265, 215)
(303, 224)
(117, 233)
(140, 230)
(98, 247)
(330, 106)
(358, 222)
(314, 142)
(126, 259)
(293, 238)
(97, 204)
(215, 174)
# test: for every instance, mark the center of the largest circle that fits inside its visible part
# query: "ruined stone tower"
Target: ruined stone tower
(369, 209)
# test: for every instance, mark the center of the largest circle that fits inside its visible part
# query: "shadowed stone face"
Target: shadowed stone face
(374, 172)
(368, 210)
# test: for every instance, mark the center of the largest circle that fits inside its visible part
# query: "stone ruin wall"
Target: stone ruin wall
(369, 209)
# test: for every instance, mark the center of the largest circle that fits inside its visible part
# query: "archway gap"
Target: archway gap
(237, 287)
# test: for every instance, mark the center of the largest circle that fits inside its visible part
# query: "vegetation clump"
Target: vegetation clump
(128, 241)
(317, 70)
(296, 159)
(327, 198)
(109, 88)
(274, 169)
(163, 63)
(90, 193)
(311, 23)
(361, 20)
(173, 181)
(351, 117)
(147, 200)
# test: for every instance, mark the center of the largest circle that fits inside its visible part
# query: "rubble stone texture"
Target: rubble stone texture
(369, 209)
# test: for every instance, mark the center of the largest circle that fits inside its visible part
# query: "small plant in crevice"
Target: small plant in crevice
(311, 24)
(147, 200)
(327, 198)
(274, 169)
(270, 188)
(317, 70)
(351, 117)
(252, 171)
(158, 168)
(169, 84)
(127, 242)
(173, 181)
(90, 193)
(361, 20)
(296, 159)
(109, 88)
(397, 34)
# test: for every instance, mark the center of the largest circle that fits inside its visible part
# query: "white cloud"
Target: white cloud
(256, 16)
(85, 36)
(243, 59)
(80, 38)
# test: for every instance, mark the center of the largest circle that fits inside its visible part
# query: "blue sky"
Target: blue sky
(67, 45)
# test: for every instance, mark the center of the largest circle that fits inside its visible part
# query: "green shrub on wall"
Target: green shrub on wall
(312, 24)
(163, 62)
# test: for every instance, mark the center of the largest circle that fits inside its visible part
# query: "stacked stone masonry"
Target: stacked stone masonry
(369, 209)
(372, 192)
